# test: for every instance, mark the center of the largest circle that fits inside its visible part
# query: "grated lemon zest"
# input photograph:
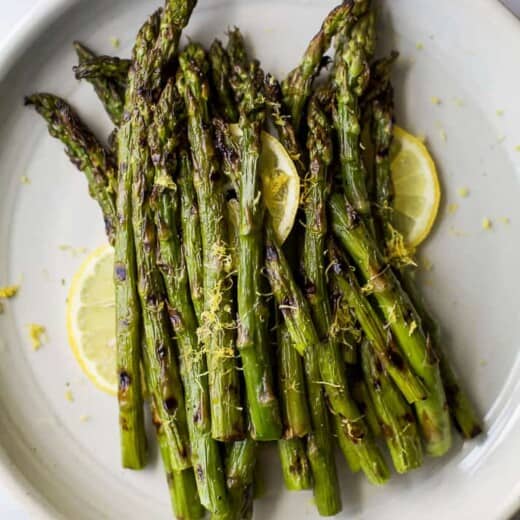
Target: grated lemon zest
(397, 251)
(9, 291)
(37, 334)
(452, 208)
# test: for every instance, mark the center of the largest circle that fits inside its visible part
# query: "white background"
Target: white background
(13, 12)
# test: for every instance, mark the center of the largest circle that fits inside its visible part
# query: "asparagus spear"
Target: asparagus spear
(294, 308)
(300, 325)
(240, 472)
(464, 415)
(332, 369)
(134, 246)
(395, 414)
(181, 484)
(164, 374)
(345, 330)
(110, 91)
(346, 446)
(297, 86)
(295, 413)
(365, 403)
(165, 137)
(379, 78)
(191, 238)
(236, 49)
(252, 339)
(175, 17)
(351, 75)
(221, 72)
(401, 317)
(293, 397)
(295, 464)
(84, 151)
(92, 158)
(382, 131)
(346, 289)
(104, 67)
(216, 331)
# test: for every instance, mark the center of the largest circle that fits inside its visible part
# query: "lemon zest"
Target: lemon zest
(9, 291)
(397, 251)
(37, 334)
(412, 328)
(452, 208)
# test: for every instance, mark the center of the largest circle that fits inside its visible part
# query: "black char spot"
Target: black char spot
(120, 272)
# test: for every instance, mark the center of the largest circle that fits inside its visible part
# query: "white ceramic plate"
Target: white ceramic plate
(465, 53)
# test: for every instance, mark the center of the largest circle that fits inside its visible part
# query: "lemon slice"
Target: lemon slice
(91, 319)
(417, 191)
(280, 183)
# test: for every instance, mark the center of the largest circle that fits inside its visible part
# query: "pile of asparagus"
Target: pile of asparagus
(322, 341)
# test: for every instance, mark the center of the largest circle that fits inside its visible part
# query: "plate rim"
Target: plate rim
(31, 27)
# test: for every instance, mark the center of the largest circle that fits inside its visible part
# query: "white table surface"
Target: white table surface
(13, 11)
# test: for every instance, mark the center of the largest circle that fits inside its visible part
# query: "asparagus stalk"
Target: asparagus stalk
(382, 131)
(297, 86)
(395, 414)
(84, 151)
(216, 331)
(330, 360)
(299, 322)
(294, 308)
(295, 411)
(175, 17)
(164, 374)
(288, 296)
(221, 73)
(345, 330)
(109, 90)
(191, 237)
(379, 78)
(92, 158)
(402, 318)
(347, 291)
(295, 464)
(104, 67)
(351, 75)
(464, 415)
(365, 404)
(164, 138)
(346, 446)
(252, 339)
(181, 484)
(240, 472)
(236, 49)
(135, 247)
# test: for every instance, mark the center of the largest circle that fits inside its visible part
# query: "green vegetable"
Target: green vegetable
(216, 331)
(165, 136)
